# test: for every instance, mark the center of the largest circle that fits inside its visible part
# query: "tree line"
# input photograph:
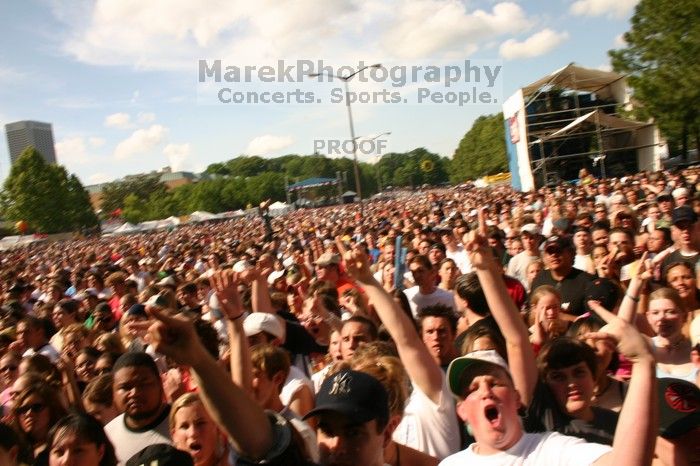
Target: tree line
(660, 59)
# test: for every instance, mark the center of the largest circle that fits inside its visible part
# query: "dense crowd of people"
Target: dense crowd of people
(478, 326)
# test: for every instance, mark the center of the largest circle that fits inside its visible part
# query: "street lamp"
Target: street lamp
(356, 167)
(378, 156)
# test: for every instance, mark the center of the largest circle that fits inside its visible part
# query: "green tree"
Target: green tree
(661, 60)
(413, 168)
(142, 186)
(79, 206)
(45, 196)
(482, 150)
(246, 166)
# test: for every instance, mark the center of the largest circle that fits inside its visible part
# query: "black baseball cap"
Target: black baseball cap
(356, 395)
(679, 407)
(604, 291)
(560, 242)
(684, 213)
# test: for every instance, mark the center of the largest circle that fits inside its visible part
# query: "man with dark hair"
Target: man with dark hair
(561, 274)
(353, 415)
(138, 393)
(518, 264)
(470, 298)
(491, 393)
(622, 243)
(32, 338)
(600, 233)
(355, 331)
(684, 219)
(426, 292)
(438, 328)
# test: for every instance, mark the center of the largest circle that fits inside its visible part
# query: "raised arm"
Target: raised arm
(249, 430)
(638, 421)
(521, 357)
(225, 285)
(630, 301)
(419, 364)
(260, 293)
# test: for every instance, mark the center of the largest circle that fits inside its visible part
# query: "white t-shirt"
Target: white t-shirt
(428, 427)
(47, 350)
(128, 442)
(295, 380)
(518, 264)
(461, 259)
(542, 449)
(584, 262)
(418, 300)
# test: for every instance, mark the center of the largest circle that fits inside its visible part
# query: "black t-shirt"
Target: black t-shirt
(544, 415)
(572, 288)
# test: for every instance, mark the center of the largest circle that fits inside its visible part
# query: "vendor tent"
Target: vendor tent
(201, 216)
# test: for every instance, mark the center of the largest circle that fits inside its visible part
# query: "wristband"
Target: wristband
(636, 300)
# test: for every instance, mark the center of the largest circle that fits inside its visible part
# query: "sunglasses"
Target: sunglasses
(34, 408)
(8, 369)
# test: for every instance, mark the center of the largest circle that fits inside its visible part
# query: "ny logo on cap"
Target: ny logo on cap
(341, 385)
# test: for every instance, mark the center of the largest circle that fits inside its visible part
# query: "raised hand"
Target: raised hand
(476, 244)
(174, 336)
(629, 341)
(225, 285)
(356, 262)
(645, 270)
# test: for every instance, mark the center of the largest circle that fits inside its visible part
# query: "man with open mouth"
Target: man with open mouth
(491, 393)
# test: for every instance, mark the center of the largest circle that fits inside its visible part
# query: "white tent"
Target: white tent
(279, 208)
(126, 228)
(201, 216)
(172, 221)
(149, 225)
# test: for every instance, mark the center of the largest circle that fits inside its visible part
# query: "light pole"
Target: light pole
(356, 166)
(386, 133)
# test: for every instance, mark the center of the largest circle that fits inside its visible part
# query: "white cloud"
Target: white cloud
(72, 151)
(8, 75)
(174, 34)
(427, 27)
(96, 142)
(146, 117)
(537, 44)
(268, 144)
(140, 141)
(620, 41)
(610, 8)
(99, 177)
(177, 154)
(605, 67)
(119, 120)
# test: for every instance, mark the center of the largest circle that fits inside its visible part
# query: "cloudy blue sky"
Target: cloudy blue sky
(118, 78)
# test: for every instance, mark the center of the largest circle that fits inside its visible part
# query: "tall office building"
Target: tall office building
(22, 134)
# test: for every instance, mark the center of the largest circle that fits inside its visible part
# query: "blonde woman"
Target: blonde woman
(193, 431)
(545, 308)
(666, 316)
